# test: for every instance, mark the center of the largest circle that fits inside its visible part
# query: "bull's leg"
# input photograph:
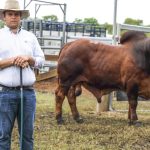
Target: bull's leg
(59, 98)
(132, 98)
(132, 116)
(72, 102)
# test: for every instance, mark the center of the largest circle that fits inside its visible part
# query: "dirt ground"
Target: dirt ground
(46, 86)
(51, 85)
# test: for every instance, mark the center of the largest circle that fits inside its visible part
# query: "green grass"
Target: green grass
(108, 131)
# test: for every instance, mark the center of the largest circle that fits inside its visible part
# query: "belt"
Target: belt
(4, 88)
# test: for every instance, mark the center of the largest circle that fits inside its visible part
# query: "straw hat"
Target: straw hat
(14, 6)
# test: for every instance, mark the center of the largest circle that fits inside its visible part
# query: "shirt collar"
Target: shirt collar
(8, 29)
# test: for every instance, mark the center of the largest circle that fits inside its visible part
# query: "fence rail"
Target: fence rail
(102, 39)
(131, 27)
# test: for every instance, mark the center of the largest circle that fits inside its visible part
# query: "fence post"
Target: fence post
(104, 105)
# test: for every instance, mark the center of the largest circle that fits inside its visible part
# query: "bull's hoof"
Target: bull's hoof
(60, 121)
(135, 123)
(79, 120)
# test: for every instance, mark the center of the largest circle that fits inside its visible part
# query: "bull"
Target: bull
(102, 68)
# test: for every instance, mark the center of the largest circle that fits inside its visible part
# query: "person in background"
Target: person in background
(18, 49)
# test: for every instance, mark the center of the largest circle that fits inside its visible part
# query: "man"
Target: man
(18, 49)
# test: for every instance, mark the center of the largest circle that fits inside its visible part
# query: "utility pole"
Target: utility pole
(115, 23)
(24, 4)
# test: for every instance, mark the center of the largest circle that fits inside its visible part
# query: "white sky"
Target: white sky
(102, 10)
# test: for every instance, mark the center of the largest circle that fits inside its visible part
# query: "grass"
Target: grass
(108, 131)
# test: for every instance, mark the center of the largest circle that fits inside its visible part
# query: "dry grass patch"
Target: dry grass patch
(108, 131)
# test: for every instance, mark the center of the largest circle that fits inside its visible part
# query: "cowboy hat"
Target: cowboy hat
(13, 5)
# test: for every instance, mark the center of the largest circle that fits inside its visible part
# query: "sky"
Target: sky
(102, 10)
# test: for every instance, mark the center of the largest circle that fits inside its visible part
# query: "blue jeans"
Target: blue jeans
(10, 110)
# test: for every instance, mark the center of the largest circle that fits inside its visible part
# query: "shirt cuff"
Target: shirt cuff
(39, 62)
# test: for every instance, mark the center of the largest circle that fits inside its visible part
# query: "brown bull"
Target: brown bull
(103, 68)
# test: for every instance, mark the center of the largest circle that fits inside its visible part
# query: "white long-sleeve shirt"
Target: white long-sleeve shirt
(22, 43)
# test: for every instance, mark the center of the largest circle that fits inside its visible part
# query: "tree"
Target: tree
(109, 27)
(91, 21)
(77, 20)
(133, 21)
(50, 18)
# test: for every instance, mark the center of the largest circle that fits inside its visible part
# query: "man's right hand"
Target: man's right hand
(21, 61)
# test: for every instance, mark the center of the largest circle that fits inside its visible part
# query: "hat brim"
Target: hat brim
(24, 13)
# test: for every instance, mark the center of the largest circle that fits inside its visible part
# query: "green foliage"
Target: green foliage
(133, 21)
(77, 20)
(1, 24)
(109, 27)
(91, 21)
(50, 18)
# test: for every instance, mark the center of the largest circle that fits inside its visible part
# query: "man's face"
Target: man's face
(12, 19)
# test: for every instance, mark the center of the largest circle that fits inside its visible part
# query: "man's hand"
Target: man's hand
(22, 61)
